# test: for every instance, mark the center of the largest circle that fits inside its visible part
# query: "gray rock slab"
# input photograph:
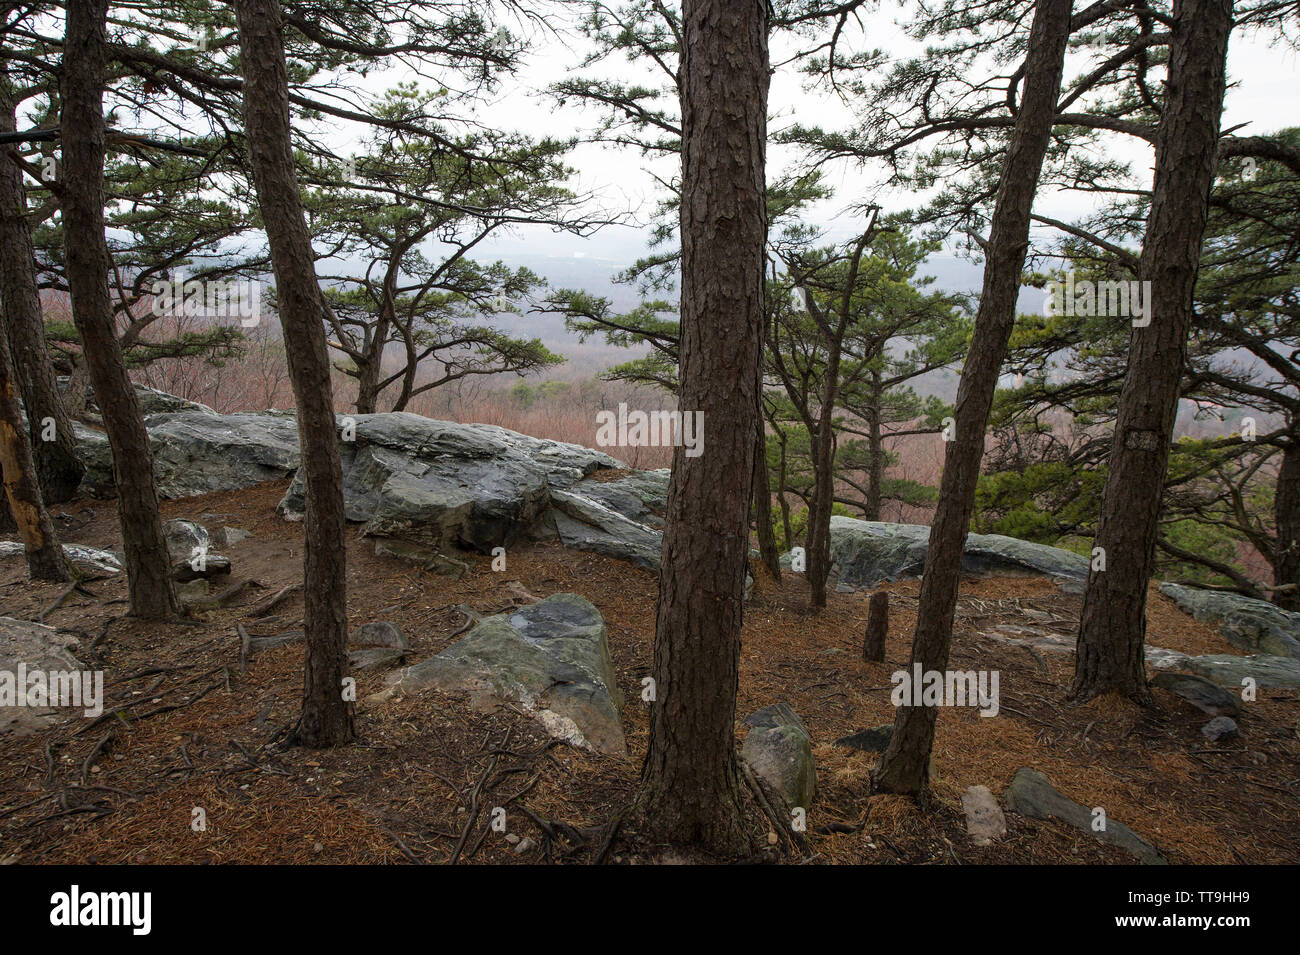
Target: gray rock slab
(552, 657)
(1031, 794)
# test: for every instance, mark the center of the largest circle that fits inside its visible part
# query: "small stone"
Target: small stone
(214, 565)
(984, 819)
(525, 845)
(1206, 696)
(317, 847)
(1220, 728)
(512, 838)
(773, 838)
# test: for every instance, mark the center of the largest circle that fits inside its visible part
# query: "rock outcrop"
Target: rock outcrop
(199, 452)
(867, 553)
(1255, 626)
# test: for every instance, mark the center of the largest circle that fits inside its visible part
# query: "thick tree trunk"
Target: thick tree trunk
(1112, 630)
(1286, 515)
(327, 716)
(148, 569)
(690, 791)
(369, 371)
(58, 470)
(44, 555)
(905, 765)
(367, 387)
(767, 548)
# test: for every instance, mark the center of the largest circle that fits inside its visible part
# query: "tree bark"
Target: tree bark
(767, 548)
(690, 794)
(819, 513)
(873, 645)
(1286, 516)
(1112, 630)
(44, 555)
(152, 596)
(53, 444)
(905, 765)
(875, 451)
(327, 717)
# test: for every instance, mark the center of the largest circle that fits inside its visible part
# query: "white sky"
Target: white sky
(1264, 97)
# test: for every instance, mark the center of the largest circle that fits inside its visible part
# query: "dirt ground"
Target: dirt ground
(183, 729)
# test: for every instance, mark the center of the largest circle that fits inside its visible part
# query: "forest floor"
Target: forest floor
(195, 732)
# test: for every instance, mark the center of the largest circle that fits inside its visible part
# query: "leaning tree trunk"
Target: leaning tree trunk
(1110, 653)
(327, 715)
(1286, 516)
(690, 791)
(905, 765)
(58, 469)
(152, 596)
(44, 555)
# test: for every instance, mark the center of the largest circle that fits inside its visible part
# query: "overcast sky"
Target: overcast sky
(1264, 97)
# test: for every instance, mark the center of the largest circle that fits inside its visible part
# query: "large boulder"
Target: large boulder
(151, 401)
(439, 483)
(1256, 626)
(779, 750)
(1031, 794)
(552, 657)
(198, 452)
(868, 553)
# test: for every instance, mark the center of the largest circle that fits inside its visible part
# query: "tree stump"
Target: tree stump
(873, 647)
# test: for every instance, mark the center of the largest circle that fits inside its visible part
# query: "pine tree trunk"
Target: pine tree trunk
(44, 555)
(819, 512)
(690, 791)
(152, 596)
(904, 767)
(876, 453)
(327, 717)
(767, 549)
(873, 644)
(1286, 515)
(53, 444)
(1112, 630)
